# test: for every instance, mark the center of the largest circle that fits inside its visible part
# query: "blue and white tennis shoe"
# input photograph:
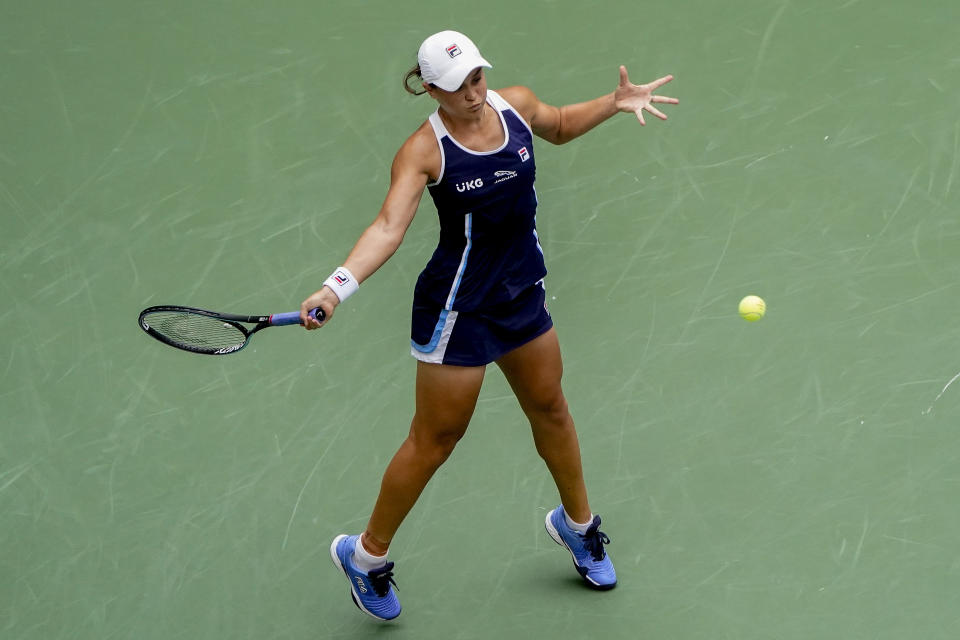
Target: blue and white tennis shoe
(589, 556)
(372, 592)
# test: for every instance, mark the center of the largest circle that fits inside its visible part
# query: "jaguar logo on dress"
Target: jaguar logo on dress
(470, 185)
(524, 154)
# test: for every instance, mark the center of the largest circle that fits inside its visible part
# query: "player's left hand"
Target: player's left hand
(637, 98)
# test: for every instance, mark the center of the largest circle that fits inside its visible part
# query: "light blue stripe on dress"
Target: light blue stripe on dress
(438, 332)
(468, 227)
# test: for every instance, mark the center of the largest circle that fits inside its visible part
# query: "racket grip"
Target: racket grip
(293, 317)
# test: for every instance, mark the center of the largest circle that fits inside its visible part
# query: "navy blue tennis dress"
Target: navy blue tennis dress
(481, 294)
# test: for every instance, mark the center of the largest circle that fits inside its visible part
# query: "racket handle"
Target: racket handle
(293, 317)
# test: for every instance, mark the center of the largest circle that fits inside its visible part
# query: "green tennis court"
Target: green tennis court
(793, 478)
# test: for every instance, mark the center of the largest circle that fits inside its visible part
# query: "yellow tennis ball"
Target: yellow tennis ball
(752, 308)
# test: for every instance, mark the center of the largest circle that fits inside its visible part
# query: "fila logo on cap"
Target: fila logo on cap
(453, 51)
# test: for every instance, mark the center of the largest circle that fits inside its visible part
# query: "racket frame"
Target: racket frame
(234, 320)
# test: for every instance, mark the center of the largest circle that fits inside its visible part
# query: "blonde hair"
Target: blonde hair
(413, 72)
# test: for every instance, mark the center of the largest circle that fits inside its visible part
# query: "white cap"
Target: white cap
(446, 58)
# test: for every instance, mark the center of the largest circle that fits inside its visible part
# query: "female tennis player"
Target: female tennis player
(480, 299)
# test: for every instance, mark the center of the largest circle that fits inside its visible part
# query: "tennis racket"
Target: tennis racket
(209, 332)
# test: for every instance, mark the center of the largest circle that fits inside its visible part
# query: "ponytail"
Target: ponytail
(413, 72)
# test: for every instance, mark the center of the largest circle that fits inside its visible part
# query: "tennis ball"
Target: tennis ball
(752, 308)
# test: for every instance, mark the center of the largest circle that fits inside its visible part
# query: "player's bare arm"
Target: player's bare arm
(411, 168)
(563, 124)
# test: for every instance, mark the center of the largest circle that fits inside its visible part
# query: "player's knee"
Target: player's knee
(441, 447)
(436, 445)
(550, 411)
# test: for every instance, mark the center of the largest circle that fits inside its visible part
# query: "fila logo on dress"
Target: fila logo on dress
(470, 185)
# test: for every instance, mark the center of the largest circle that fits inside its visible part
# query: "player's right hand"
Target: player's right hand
(326, 299)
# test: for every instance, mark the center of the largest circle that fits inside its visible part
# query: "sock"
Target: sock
(576, 526)
(366, 561)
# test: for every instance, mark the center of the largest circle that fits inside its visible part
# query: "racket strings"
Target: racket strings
(196, 331)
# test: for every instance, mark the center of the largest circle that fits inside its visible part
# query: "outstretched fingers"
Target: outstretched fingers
(660, 99)
(664, 100)
(640, 98)
(659, 82)
(652, 109)
(656, 84)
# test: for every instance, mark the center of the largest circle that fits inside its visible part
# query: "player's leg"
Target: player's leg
(534, 371)
(445, 399)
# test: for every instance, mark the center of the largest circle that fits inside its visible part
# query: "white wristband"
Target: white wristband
(342, 282)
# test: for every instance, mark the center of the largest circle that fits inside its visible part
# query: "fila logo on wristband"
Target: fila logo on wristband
(342, 282)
